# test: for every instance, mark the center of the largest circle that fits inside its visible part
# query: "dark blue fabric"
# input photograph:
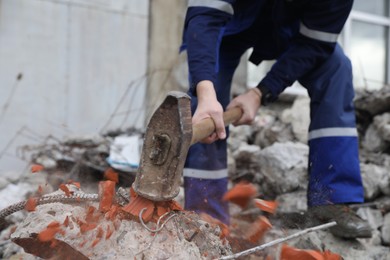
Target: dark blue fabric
(203, 195)
(213, 156)
(331, 93)
(334, 171)
(296, 54)
(321, 67)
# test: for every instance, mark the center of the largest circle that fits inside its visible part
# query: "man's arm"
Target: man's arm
(321, 23)
(204, 27)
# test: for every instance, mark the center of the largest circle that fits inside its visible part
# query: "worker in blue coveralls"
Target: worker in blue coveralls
(301, 35)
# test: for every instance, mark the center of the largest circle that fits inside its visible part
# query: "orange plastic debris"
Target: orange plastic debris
(106, 194)
(31, 204)
(266, 205)
(153, 210)
(162, 207)
(133, 194)
(137, 204)
(66, 221)
(84, 227)
(49, 233)
(328, 255)
(117, 224)
(112, 175)
(258, 229)
(161, 210)
(95, 242)
(65, 189)
(82, 244)
(40, 189)
(292, 253)
(241, 194)
(108, 232)
(112, 213)
(36, 168)
(91, 217)
(100, 232)
(54, 224)
(174, 205)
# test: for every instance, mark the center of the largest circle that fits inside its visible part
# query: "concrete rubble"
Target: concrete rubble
(281, 171)
(272, 154)
(117, 239)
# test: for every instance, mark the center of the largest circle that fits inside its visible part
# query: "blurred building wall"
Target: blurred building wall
(167, 69)
(74, 67)
(69, 67)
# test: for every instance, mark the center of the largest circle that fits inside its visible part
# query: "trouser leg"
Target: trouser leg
(334, 171)
(205, 172)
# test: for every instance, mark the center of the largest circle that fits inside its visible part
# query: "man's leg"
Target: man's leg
(205, 171)
(334, 171)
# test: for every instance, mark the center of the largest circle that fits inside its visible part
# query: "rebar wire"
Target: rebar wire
(164, 83)
(122, 99)
(278, 241)
(158, 227)
(22, 150)
(33, 133)
(163, 87)
(11, 141)
(31, 137)
(134, 84)
(153, 231)
(130, 103)
(10, 97)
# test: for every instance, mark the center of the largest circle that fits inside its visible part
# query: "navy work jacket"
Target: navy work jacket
(299, 34)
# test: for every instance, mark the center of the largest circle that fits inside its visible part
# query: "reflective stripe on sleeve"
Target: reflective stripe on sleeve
(332, 132)
(215, 4)
(318, 35)
(205, 174)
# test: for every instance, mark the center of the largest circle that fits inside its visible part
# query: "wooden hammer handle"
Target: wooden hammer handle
(206, 127)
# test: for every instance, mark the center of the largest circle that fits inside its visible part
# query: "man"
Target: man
(301, 35)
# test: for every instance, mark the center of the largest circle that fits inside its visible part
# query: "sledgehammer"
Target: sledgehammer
(168, 137)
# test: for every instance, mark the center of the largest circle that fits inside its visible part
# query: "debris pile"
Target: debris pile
(268, 170)
(273, 154)
(104, 228)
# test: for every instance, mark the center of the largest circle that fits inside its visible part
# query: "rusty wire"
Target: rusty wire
(158, 227)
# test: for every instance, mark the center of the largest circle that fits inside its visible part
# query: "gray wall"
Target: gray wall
(73, 67)
(167, 69)
(65, 67)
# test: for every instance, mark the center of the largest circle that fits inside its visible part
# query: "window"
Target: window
(376, 7)
(366, 41)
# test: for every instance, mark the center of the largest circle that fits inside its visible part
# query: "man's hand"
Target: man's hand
(249, 102)
(209, 107)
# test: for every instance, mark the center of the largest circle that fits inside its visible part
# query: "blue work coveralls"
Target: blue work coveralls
(301, 35)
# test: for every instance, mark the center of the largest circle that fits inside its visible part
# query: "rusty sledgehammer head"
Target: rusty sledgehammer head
(165, 148)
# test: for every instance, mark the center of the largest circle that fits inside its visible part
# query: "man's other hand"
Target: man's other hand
(249, 102)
